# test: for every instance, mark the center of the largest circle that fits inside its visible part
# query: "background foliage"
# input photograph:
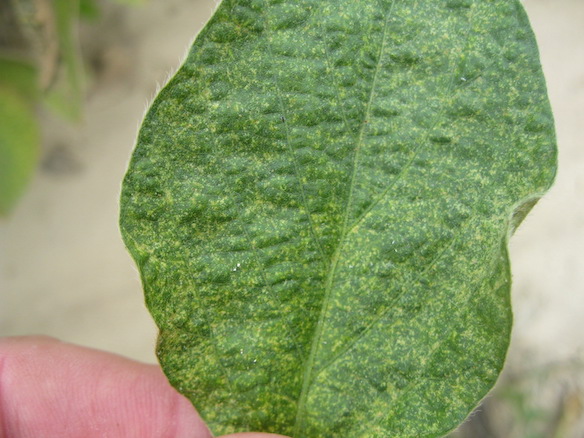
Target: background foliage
(40, 64)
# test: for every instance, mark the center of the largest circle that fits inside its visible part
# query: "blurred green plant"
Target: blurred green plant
(19, 131)
(40, 64)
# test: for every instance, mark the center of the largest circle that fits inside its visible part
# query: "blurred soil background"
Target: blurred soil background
(64, 271)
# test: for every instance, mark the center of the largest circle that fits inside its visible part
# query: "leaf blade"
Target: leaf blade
(324, 237)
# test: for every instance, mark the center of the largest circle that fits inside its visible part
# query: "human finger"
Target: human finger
(53, 389)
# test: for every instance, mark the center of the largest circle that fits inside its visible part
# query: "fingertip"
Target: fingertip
(47, 386)
(26, 341)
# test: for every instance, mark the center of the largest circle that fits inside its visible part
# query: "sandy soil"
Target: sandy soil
(64, 271)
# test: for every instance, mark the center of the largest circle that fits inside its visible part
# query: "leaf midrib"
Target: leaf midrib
(347, 228)
(309, 366)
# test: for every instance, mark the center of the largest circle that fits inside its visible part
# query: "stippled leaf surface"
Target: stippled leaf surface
(319, 204)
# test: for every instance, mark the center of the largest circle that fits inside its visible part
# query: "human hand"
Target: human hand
(52, 389)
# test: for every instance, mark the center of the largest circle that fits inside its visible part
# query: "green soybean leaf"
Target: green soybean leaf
(319, 204)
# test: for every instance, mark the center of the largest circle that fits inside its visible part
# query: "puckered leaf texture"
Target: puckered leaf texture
(319, 204)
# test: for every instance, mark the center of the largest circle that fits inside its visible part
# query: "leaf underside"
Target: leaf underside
(319, 204)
